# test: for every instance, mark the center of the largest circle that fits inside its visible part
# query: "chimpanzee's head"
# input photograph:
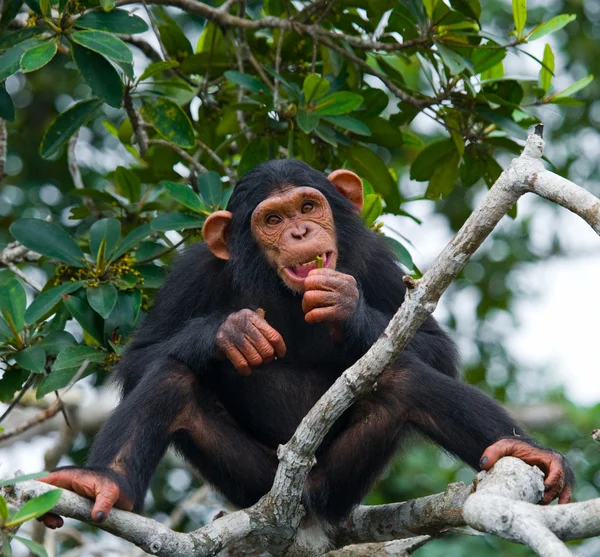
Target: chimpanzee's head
(294, 214)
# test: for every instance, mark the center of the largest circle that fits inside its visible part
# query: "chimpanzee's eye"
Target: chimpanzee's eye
(273, 220)
(307, 206)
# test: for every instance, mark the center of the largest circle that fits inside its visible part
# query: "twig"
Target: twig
(226, 5)
(183, 154)
(137, 123)
(277, 70)
(16, 400)
(163, 252)
(38, 419)
(3, 149)
(225, 19)
(76, 173)
(37, 287)
(143, 45)
(232, 176)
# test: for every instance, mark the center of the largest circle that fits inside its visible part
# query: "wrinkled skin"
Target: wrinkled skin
(248, 341)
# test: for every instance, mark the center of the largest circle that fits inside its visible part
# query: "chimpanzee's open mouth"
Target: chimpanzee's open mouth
(300, 272)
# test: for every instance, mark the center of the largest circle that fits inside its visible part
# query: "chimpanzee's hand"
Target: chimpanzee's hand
(559, 477)
(247, 341)
(329, 296)
(104, 491)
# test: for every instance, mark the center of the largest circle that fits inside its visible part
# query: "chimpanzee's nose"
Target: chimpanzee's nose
(300, 231)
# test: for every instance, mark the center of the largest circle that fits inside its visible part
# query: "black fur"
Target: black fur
(176, 391)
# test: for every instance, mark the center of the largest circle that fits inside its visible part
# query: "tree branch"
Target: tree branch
(502, 503)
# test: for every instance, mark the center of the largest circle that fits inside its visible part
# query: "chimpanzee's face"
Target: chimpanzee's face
(294, 228)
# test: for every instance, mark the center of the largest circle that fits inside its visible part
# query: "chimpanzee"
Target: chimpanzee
(249, 331)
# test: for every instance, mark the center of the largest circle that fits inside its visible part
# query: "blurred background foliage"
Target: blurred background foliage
(119, 145)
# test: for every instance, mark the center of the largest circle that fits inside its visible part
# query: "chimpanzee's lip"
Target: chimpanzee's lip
(298, 273)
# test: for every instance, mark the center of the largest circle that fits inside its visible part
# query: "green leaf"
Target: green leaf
(35, 507)
(7, 107)
(38, 56)
(48, 239)
(158, 67)
(170, 121)
(369, 164)
(66, 124)
(131, 240)
(3, 509)
(341, 102)
(174, 40)
(8, 39)
(547, 70)
(99, 74)
(246, 81)
(128, 183)
(555, 24)
(34, 547)
(108, 230)
(423, 166)
(104, 43)
(185, 195)
(307, 120)
(211, 190)
(115, 21)
(314, 87)
(519, 8)
(11, 382)
(175, 221)
(574, 88)
(23, 478)
(32, 358)
(102, 299)
(10, 61)
(401, 252)
(154, 276)
(349, 123)
(46, 301)
(57, 341)
(429, 7)
(444, 177)
(372, 208)
(88, 319)
(12, 304)
(62, 378)
(123, 318)
(256, 151)
(5, 332)
(453, 60)
(74, 356)
(6, 549)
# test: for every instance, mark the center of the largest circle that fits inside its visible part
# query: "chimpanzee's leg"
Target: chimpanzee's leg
(226, 456)
(411, 394)
(169, 404)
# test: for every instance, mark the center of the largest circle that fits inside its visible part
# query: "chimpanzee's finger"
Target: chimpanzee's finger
(317, 299)
(319, 315)
(61, 478)
(271, 335)
(249, 352)
(494, 453)
(106, 497)
(330, 280)
(237, 359)
(51, 520)
(565, 495)
(262, 345)
(554, 482)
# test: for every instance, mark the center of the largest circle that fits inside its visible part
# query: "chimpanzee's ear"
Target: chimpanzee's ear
(349, 185)
(216, 233)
